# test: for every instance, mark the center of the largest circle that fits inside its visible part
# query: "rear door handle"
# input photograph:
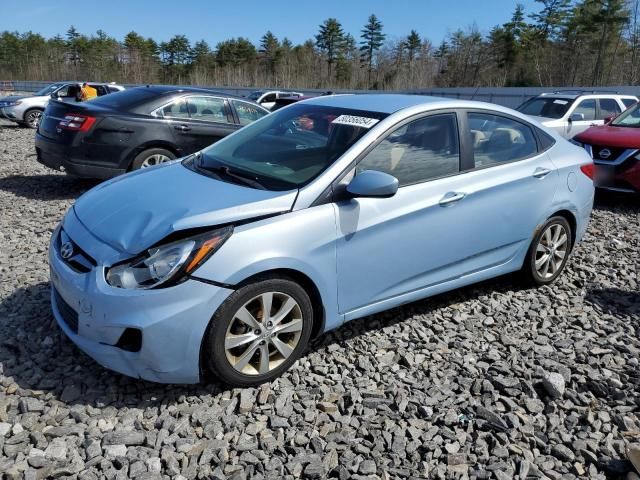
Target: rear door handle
(451, 197)
(541, 172)
(182, 128)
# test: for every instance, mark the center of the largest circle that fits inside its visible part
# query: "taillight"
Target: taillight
(77, 122)
(588, 169)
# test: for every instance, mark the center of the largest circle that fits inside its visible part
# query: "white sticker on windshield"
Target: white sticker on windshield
(356, 121)
(561, 102)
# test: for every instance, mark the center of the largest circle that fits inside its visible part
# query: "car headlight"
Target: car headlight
(168, 264)
(576, 143)
(13, 104)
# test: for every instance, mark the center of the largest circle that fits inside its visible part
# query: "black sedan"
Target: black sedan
(137, 128)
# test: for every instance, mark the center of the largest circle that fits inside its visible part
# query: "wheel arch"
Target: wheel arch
(31, 109)
(306, 283)
(149, 145)
(570, 217)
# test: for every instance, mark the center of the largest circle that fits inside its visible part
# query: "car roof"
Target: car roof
(574, 94)
(171, 89)
(391, 103)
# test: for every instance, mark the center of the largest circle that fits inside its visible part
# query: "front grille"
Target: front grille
(610, 154)
(79, 260)
(68, 314)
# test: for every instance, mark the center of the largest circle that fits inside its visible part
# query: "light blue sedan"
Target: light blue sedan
(230, 260)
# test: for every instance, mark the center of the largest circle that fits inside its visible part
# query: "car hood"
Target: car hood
(12, 98)
(135, 211)
(544, 120)
(611, 136)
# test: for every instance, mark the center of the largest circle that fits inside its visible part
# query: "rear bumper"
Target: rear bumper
(56, 156)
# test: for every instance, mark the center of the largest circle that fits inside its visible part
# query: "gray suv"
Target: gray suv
(27, 110)
(570, 112)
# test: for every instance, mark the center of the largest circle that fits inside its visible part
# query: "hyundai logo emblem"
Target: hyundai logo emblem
(605, 153)
(66, 250)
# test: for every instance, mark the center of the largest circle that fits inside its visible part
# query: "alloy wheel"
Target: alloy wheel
(33, 118)
(551, 251)
(263, 333)
(155, 159)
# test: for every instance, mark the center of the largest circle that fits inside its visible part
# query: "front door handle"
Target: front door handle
(182, 128)
(451, 197)
(541, 172)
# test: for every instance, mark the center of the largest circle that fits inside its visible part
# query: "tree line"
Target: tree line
(561, 43)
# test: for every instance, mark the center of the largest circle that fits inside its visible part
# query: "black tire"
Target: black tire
(32, 117)
(214, 355)
(142, 159)
(531, 274)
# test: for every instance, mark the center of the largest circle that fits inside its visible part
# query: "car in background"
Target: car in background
(137, 128)
(570, 112)
(615, 149)
(325, 211)
(268, 98)
(27, 110)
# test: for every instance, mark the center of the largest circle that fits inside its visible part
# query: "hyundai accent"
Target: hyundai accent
(229, 260)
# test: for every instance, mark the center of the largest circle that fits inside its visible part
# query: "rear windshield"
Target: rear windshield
(546, 107)
(288, 148)
(629, 118)
(126, 98)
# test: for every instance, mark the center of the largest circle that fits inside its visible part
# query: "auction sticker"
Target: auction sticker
(356, 121)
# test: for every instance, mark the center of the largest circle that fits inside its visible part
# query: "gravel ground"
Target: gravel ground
(492, 381)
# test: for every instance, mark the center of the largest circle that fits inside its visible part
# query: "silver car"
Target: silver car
(27, 109)
(571, 112)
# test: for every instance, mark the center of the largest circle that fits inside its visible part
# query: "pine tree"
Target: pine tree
(330, 41)
(372, 39)
(412, 44)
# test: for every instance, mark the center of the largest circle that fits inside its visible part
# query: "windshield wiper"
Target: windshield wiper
(239, 176)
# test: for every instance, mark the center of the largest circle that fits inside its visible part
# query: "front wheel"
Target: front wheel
(32, 118)
(549, 252)
(258, 332)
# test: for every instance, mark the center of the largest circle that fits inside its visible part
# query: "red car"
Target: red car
(615, 148)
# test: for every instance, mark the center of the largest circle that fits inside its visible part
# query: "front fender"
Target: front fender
(303, 241)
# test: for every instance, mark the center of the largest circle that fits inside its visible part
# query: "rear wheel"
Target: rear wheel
(32, 117)
(258, 332)
(151, 157)
(549, 252)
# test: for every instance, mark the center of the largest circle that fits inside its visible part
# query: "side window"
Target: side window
(100, 90)
(176, 109)
(247, 113)
(587, 108)
(269, 98)
(629, 102)
(209, 109)
(114, 89)
(63, 92)
(421, 150)
(499, 139)
(608, 107)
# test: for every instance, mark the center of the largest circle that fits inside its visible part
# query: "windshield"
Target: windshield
(254, 96)
(48, 90)
(288, 148)
(628, 118)
(546, 107)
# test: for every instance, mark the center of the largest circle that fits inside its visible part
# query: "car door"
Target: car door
(455, 216)
(583, 116)
(197, 121)
(390, 246)
(609, 107)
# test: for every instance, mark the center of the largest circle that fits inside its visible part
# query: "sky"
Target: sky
(214, 20)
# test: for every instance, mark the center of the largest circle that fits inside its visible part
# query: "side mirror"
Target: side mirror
(576, 117)
(372, 183)
(608, 119)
